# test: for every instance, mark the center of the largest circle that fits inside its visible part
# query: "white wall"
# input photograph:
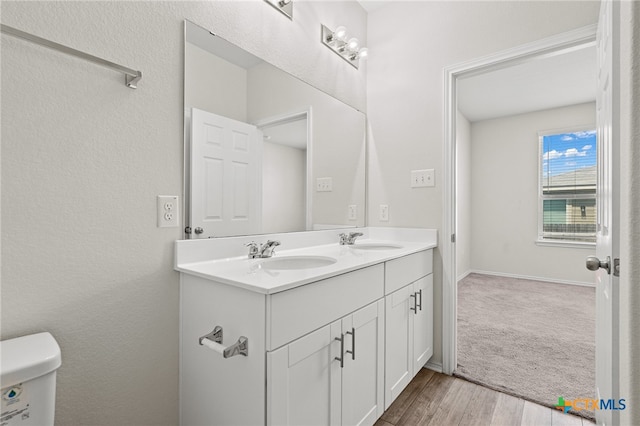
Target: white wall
(214, 85)
(410, 44)
(504, 197)
(463, 195)
(337, 146)
(83, 159)
(284, 178)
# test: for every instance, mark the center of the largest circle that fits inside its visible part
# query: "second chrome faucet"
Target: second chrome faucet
(350, 238)
(263, 250)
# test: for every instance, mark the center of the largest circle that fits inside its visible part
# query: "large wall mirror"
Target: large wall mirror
(264, 151)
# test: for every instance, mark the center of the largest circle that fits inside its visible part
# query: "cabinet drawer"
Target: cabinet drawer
(407, 269)
(295, 312)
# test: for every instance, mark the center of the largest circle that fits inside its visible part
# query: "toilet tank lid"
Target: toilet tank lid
(28, 357)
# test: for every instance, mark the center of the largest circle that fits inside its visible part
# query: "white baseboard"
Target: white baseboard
(437, 367)
(527, 277)
(464, 275)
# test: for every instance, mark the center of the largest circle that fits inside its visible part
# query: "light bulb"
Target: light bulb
(352, 45)
(340, 33)
(363, 53)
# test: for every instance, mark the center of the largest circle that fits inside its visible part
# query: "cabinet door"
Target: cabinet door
(363, 372)
(399, 342)
(304, 380)
(423, 323)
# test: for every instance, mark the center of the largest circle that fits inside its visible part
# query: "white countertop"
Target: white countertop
(240, 271)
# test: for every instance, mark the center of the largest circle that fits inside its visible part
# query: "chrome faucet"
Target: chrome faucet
(350, 238)
(264, 250)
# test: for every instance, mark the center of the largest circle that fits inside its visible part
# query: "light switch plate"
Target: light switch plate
(324, 184)
(422, 178)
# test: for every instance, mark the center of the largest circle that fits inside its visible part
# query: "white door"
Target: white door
(363, 372)
(226, 176)
(399, 342)
(304, 380)
(607, 231)
(423, 323)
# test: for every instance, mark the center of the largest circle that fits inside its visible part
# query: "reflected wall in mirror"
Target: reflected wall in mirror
(264, 151)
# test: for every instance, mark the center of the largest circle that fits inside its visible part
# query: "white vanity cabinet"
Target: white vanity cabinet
(333, 376)
(408, 320)
(291, 374)
(335, 351)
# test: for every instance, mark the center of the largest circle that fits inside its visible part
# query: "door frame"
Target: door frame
(302, 113)
(546, 47)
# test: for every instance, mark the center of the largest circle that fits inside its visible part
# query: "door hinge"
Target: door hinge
(453, 238)
(616, 267)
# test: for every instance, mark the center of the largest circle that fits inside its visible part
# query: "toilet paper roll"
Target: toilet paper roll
(217, 347)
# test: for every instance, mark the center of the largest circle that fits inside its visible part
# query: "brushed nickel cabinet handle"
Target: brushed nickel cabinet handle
(353, 343)
(341, 357)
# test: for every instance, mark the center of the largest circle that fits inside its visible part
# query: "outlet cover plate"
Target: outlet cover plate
(384, 213)
(168, 211)
(353, 212)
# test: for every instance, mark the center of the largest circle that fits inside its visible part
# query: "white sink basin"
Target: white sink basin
(375, 246)
(296, 262)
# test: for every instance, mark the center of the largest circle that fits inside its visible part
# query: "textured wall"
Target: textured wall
(504, 200)
(83, 158)
(413, 42)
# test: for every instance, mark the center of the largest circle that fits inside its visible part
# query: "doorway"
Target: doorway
(550, 47)
(287, 171)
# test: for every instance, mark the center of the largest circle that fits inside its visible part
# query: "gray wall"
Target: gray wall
(214, 85)
(284, 175)
(336, 128)
(504, 197)
(83, 159)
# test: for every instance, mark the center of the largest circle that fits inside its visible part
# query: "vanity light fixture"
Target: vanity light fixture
(349, 50)
(284, 6)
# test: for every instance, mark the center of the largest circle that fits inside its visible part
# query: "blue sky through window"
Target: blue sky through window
(566, 152)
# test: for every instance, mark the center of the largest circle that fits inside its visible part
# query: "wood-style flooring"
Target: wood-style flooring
(440, 400)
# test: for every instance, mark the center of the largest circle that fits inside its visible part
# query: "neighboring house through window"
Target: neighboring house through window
(567, 189)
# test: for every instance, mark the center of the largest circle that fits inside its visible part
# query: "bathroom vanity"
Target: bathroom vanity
(321, 333)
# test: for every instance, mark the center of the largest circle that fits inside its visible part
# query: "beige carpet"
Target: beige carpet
(531, 339)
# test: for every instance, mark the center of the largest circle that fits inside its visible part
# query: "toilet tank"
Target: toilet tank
(28, 367)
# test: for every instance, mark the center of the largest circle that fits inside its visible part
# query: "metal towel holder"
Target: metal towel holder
(131, 76)
(213, 341)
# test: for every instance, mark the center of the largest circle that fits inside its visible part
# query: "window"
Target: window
(567, 189)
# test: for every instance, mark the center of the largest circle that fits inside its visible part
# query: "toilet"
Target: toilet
(28, 367)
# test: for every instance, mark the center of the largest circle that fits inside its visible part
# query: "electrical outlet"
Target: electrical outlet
(167, 209)
(384, 213)
(353, 212)
(324, 184)
(421, 178)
